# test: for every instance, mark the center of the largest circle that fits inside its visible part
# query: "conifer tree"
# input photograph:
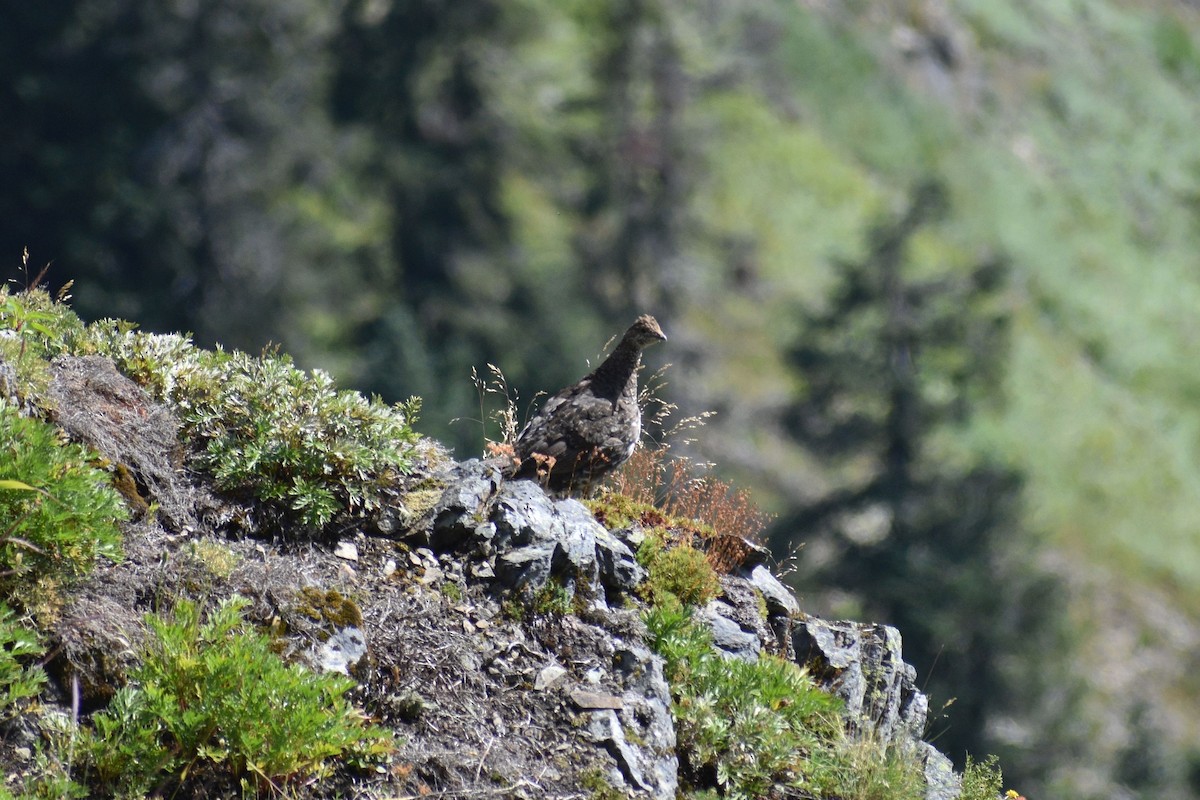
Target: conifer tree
(923, 538)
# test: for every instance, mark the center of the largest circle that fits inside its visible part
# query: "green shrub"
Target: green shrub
(266, 429)
(212, 701)
(982, 781)
(57, 511)
(553, 600)
(747, 728)
(748, 725)
(18, 646)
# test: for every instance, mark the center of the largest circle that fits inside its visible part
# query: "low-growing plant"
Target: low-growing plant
(742, 725)
(677, 570)
(58, 512)
(451, 591)
(680, 488)
(35, 329)
(212, 702)
(982, 780)
(50, 785)
(552, 599)
(599, 786)
(863, 768)
(747, 728)
(19, 681)
(268, 430)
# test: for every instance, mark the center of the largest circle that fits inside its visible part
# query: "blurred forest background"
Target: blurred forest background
(934, 263)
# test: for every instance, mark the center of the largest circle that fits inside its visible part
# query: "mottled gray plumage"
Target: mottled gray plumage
(590, 428)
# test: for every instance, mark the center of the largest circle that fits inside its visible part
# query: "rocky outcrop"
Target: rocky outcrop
(862, 663)
(527, 539)
(420, 611)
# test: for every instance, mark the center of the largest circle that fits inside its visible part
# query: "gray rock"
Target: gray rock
(342, 652)
(595, 701)
(531, 527)
(780, 600)
(502, 523)
(632, 537)
(549, 677)
(8, 379)
(728, 635)
(941, 781)
(462, 508)
(576, 556)
(619, 570)
(782, 608)
(604, 727)
(482, 571)
(522, 514)
(862, 663)
(640, 734)
(526, 567)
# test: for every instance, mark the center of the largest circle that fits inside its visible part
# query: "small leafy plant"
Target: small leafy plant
(36, 328)
(743, 726)
(58, 512)
(983, 780)
(213, 703)
(18, 680)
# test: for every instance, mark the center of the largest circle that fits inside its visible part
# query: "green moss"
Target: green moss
(595, 782)
(761, 603)
(216, 559)
(422, 499)
(616, 511)
(329, 606)
(553, 599)
(126, 486)
(677, 571)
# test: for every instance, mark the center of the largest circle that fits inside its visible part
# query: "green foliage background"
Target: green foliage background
(399, 191)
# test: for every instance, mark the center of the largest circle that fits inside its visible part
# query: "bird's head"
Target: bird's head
(644, 332)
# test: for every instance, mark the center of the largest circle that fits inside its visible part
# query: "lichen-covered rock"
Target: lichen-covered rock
(619, 570)
(525, 537)
(342, 652)
(862, 663)
(941, 781)
(738, 628)
(462, 510)
(640, 731)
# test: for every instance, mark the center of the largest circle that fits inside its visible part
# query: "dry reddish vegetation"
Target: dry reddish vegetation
(675, 486)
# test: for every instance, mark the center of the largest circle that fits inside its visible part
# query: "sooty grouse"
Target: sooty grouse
(592, 427)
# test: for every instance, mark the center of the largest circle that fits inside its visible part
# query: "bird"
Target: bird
(590, 428)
